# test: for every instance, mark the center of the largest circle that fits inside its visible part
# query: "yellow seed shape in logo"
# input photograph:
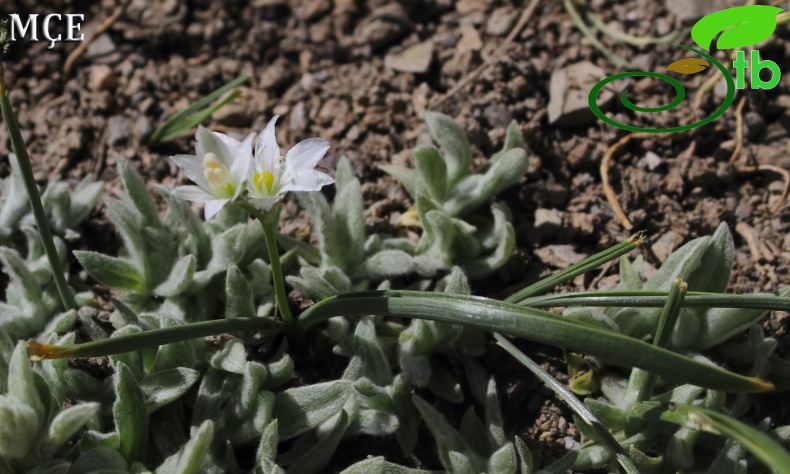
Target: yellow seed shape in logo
(688, 65)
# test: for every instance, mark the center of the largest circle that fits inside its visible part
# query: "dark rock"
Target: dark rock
(142, 127)
(118, 130)
(568, 93)
(547, 223)
(385, 26)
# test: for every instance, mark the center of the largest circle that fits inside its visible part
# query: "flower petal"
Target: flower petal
(307, 180)
(241, 168)
(265, 203)
(213, 207)
(267, 151)
(193, 193)
(306, 153)
(217, 143)
(193, 168)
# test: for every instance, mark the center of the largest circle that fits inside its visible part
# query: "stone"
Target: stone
(142, 127)
(415, 59)
(466, 7)
(560, 256)
(501, 21)
(314, 10)
(101, 78)
(687, 11)
(384, 26)
(652, 161)
(547, 223)
(242, 111)
(666, 244)
(470, 39)
(118, 130)
(101, 46)
(568, 93)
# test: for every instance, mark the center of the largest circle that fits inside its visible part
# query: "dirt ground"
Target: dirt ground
(361, 74)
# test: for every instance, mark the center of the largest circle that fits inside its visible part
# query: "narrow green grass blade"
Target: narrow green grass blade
(536, 325)
(656, 299)
(576, 405)
(666, 324)
(34, 196)
(760, 444)
(589, 263)
(196, 112)
(133, 342)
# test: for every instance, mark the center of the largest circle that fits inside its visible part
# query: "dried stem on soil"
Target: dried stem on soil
(785, 175)
(577, 19)
(756, 248)
(495, 55)
(84, 45)
(607, 158)
(751, 169)
(738, 132)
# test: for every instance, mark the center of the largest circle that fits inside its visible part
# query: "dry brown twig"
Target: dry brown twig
(738, 131)
(757, 248)
(495, 55)
(611, 197)
(785, 175)
(84, 45)
(755, 168)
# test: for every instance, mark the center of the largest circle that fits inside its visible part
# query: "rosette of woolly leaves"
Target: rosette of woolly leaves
(367, 399)
(705, 264)
(168, 263)
(150, 252)
(32, 426)
(378, 346)
(445, 176)
(31, 296)
(238, 394)
(422, 340)
(346, 260)
(65, 207)
(479, 445)
(446, 193)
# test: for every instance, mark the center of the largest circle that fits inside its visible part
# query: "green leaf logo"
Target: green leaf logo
(739, 27)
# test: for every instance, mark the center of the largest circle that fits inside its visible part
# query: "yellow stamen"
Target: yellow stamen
(258, 180)
(268, 179)
(210, 161)
(216, 174)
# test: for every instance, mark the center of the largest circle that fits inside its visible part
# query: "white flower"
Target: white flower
(273, 175)
(219, 169)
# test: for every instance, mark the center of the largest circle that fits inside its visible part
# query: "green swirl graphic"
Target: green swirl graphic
(680, 94)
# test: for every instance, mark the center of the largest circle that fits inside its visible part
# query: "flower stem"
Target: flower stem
(268, 220)
(18, 145)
